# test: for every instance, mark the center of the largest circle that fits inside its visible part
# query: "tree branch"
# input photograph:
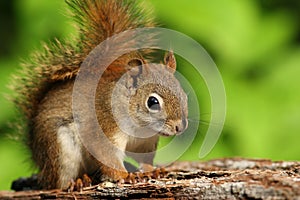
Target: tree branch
(234, 178)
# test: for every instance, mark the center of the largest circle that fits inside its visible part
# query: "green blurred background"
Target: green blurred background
(255, 44)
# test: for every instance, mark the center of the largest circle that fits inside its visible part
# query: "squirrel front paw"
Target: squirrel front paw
(136, 177)
(113, 174)
(79, 184)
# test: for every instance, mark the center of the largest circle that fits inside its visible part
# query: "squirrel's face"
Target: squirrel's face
(152, 102)
(159, 102)
(160, 109)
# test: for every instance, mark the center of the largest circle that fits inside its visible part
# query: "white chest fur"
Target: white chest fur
(71, 153)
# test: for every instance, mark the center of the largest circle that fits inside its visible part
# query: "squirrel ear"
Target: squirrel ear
(135, 62)
(135, 68)
(170, 61)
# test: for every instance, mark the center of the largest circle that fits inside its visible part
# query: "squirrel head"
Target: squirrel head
(155, 101)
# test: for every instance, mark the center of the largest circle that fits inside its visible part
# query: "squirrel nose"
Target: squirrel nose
(181, 126)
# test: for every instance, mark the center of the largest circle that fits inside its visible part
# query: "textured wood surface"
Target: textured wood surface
(234, 178)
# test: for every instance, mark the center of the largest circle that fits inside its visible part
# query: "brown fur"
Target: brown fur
(45, 89)
(61, 60)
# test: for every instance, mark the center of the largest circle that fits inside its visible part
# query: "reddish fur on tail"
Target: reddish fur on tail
(96, 20)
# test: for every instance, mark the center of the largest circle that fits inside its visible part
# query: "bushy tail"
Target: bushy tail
(96, 21)
(100, 19)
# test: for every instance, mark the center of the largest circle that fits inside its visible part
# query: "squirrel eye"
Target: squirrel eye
(154, 103)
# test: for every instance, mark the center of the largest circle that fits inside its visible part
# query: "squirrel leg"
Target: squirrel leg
(113, 174)
(144, 154)
(112, 170)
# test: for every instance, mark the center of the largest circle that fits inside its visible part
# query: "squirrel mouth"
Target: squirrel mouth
(165, 130)
(166, 133)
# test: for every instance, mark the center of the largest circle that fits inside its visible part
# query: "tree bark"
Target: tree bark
(232, 178)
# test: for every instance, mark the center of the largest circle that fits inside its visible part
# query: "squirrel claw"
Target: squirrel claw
(79, 184)
(142, 177)
(131, 178)
(87, 181)
(71, 185)
(159, 173)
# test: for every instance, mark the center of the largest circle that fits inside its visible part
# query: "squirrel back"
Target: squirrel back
(96, 20)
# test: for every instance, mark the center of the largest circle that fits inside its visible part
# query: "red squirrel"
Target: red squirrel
(45, 98)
